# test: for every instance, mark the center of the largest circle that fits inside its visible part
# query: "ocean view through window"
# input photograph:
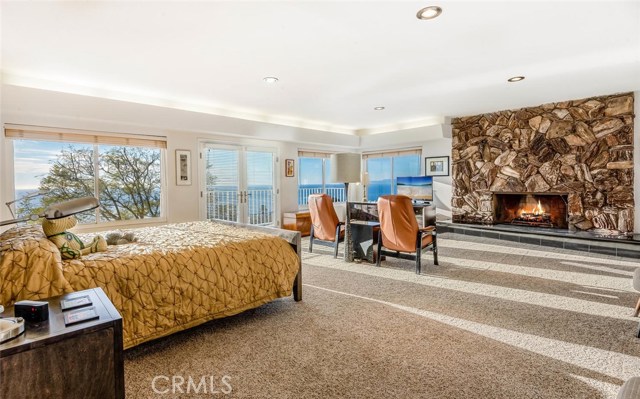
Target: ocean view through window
(383, 170)
(240, 184)
(126, 179)
(313, 178)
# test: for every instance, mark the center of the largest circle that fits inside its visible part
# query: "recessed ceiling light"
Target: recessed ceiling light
(270, 79)
(379, 108)
(429, 12)
(515, 79)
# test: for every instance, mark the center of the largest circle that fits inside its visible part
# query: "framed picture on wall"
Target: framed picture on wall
(183, 167)
(289, 167)
(436, 166)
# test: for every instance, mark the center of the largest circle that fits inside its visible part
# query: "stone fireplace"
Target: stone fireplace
(579, 152)
(548, 210)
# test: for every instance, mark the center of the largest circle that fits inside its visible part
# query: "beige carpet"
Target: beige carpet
(494, 320)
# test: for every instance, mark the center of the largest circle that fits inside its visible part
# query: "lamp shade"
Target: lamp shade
(345, 167)
(365, 178)
(71, 207)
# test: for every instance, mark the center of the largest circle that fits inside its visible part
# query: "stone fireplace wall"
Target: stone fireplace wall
(583, 148)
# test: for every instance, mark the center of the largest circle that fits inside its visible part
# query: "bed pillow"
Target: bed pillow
(30, 266)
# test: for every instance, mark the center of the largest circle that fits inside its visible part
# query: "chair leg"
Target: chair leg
(379, 248)
(635, 314)
(418, 253)
(418, 261)
(337, 243)
(311, 240)
(435, 250)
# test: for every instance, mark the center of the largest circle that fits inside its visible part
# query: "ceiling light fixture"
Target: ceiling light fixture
(515, 79)
(270, 79)
(378, 108)
(430, 12)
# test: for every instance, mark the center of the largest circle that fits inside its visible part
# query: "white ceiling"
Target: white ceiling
(336, 60)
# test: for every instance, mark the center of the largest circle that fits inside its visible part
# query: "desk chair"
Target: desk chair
(399, 231)
(326, 228)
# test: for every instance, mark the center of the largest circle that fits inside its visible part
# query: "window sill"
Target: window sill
(116, 225)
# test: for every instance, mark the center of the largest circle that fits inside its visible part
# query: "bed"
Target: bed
(174, 277)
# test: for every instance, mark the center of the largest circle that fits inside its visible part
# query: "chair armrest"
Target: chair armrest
(428, 230)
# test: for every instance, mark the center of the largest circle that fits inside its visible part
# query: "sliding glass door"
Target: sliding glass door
(239, 184)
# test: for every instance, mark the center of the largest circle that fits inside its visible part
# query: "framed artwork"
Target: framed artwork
(436, 166)
(289, 170)
(183, 167)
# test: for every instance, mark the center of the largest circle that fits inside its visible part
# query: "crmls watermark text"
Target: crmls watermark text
(208, 384)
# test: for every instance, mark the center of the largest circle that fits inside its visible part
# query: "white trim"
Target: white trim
(391, 153)
(243, 208)
(9, 182)
(53, 134)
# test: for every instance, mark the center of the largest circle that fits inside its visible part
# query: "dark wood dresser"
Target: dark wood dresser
(53, 361)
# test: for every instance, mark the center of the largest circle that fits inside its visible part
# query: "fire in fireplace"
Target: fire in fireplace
(535, 217)
(531, 209)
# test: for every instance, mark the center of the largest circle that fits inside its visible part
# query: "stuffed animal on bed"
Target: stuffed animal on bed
(69, 244)
(119, 238)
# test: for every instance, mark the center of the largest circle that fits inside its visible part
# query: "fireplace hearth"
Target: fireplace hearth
(531, 209)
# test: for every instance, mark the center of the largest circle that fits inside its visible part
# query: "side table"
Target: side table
(51, 360)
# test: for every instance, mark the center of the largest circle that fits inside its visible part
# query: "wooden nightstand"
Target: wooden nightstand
(53, 361)
(298, 221)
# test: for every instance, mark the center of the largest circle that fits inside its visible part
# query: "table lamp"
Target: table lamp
(60, 210)
(365, 183)
(345, 168)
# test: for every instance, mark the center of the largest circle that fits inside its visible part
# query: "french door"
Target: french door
(239, 183)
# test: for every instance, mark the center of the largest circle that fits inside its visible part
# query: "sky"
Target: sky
(32, 160)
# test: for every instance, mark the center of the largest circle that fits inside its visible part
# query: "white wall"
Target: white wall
(441, 185)
(435, 142)
(4, 213)
(636, 161)
(184, 130)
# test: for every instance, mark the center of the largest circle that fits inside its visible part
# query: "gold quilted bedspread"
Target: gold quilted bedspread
(175, 277)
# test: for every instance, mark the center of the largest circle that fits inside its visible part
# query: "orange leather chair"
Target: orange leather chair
(399, 231)
(325, 226)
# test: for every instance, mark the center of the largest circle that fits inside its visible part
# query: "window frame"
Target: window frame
(317, 154)
(391, 154)
(324, 177)
(136, 141)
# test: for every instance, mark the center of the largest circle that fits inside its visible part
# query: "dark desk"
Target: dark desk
(368, 211)
(364, 236)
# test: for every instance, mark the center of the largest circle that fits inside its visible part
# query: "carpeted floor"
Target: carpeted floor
(494, 320)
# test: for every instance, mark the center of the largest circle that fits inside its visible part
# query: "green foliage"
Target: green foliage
(128, 186)
(130, 182)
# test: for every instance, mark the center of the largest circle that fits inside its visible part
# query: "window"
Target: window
(313, 177)
(125, 174)
(383, 169)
